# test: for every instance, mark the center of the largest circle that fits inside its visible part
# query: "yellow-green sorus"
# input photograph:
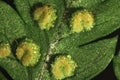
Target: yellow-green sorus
(5, 50)
(63, 67)
(45, 16)
(28, 53)
(81, 21)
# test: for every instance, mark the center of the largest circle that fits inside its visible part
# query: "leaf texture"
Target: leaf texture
(116, 64)
(11, 25)
(106, 17)
(14, 69)
(91, 59)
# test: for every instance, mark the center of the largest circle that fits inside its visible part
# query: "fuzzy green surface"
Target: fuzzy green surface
(11, 25)
(107, 20)
(91, 59)
(83, 3)
(116, 64)
(2, 77)
(25, 10)
(14, 69)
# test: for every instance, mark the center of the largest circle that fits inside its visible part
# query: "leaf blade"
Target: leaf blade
(15, 69)
(11, 24)
(91, 59)
(106, 21)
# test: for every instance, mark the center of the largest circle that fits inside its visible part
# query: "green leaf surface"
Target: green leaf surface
(107, 19)
(25, 11)
(91, 59)
(39, 37)
(90, 4)
(11, 25)
(42, 38)
(2, 77)
(33, 2)
(52, 34)
(14, 69)
(84, 3)
(116, 64)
